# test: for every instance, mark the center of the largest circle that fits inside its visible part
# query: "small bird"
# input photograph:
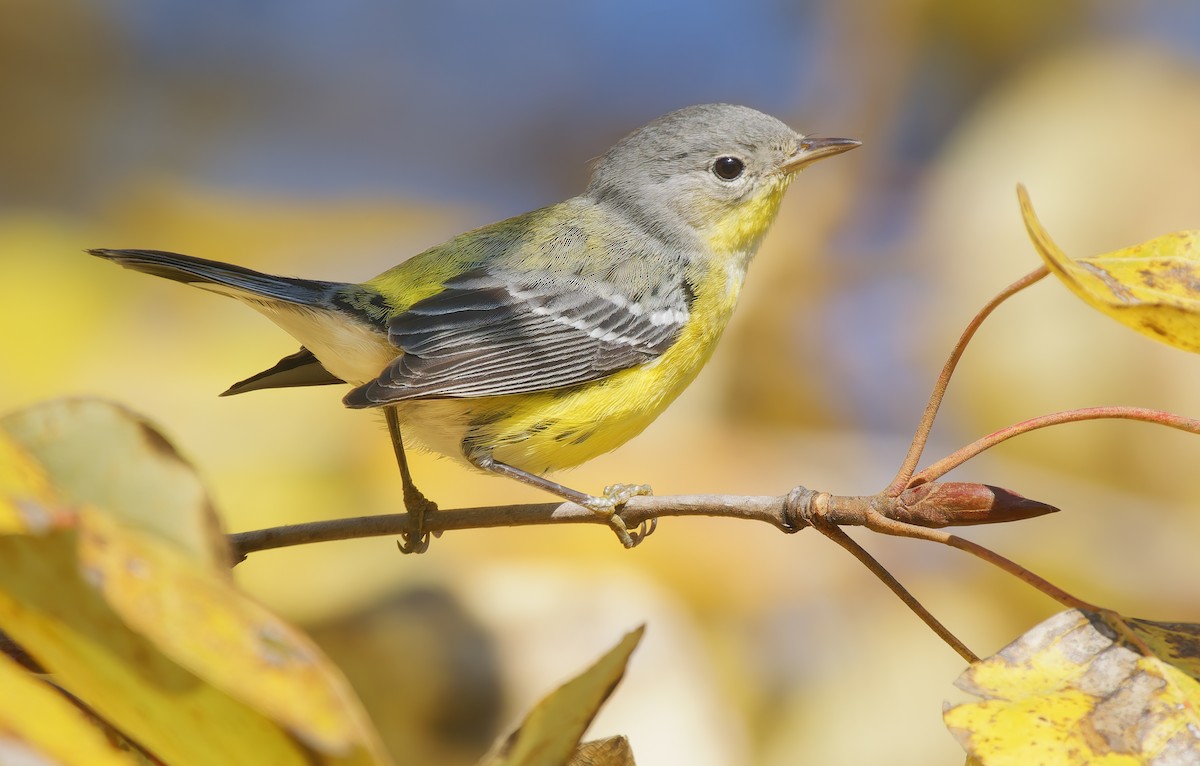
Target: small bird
(544, 340)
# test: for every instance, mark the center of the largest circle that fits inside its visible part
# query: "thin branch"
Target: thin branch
(936, 505)
(870, 562)
(948, 463)
(879, 523)
(939, 387)
(1023, 574)
(775, 511)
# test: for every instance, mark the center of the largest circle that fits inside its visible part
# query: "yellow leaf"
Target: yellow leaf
(28, 504)
(1066, 693)
(101, 454)
(551, 731)
(209, 627)
(1153, 287)
(38, 725)
(47, 607)
(1176, 642)
(137, 616)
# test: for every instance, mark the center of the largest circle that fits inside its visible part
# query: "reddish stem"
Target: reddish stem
(921, 436)
(880, 523)
(948, 463)
(836, 534)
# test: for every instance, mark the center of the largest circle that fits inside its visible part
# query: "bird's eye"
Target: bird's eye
(728, 168)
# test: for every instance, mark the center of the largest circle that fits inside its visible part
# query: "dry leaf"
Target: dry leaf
(141, 622)
(208, 626)
(40, 726)
(48, 608)
(1066, 693)
(1176, 642)
(551, 731)
(1153, 287)
(102, 454)
(28, 504)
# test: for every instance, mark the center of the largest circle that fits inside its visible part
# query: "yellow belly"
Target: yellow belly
(562, 428)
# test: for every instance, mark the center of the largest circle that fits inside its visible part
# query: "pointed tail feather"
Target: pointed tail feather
(298, 369)
(191, 270)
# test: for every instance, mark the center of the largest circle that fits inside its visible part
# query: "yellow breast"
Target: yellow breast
(558, 429)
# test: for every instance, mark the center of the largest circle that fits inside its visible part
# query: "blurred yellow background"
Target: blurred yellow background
(332, 140)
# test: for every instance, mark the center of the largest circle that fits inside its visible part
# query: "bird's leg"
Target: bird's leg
(606, 506)
(416, 540)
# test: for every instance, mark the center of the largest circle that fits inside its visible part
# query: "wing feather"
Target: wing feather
(492, 332)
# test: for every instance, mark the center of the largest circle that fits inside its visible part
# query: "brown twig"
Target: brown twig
(772, 510)
(934, 505)
(879, 523)
(836, 534)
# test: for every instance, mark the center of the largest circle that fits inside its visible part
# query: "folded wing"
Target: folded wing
(493, 332)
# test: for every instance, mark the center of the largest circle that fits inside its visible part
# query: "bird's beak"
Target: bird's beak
(813, 148)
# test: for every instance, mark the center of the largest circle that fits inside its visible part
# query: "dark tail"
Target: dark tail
(190, 270)
(299, 369)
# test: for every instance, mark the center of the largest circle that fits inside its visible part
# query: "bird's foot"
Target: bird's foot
(607, 507)
(416, 538)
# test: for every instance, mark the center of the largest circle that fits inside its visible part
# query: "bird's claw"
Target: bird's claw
(615, 496)
(644, 530)
(413, 542)
(416, 539)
